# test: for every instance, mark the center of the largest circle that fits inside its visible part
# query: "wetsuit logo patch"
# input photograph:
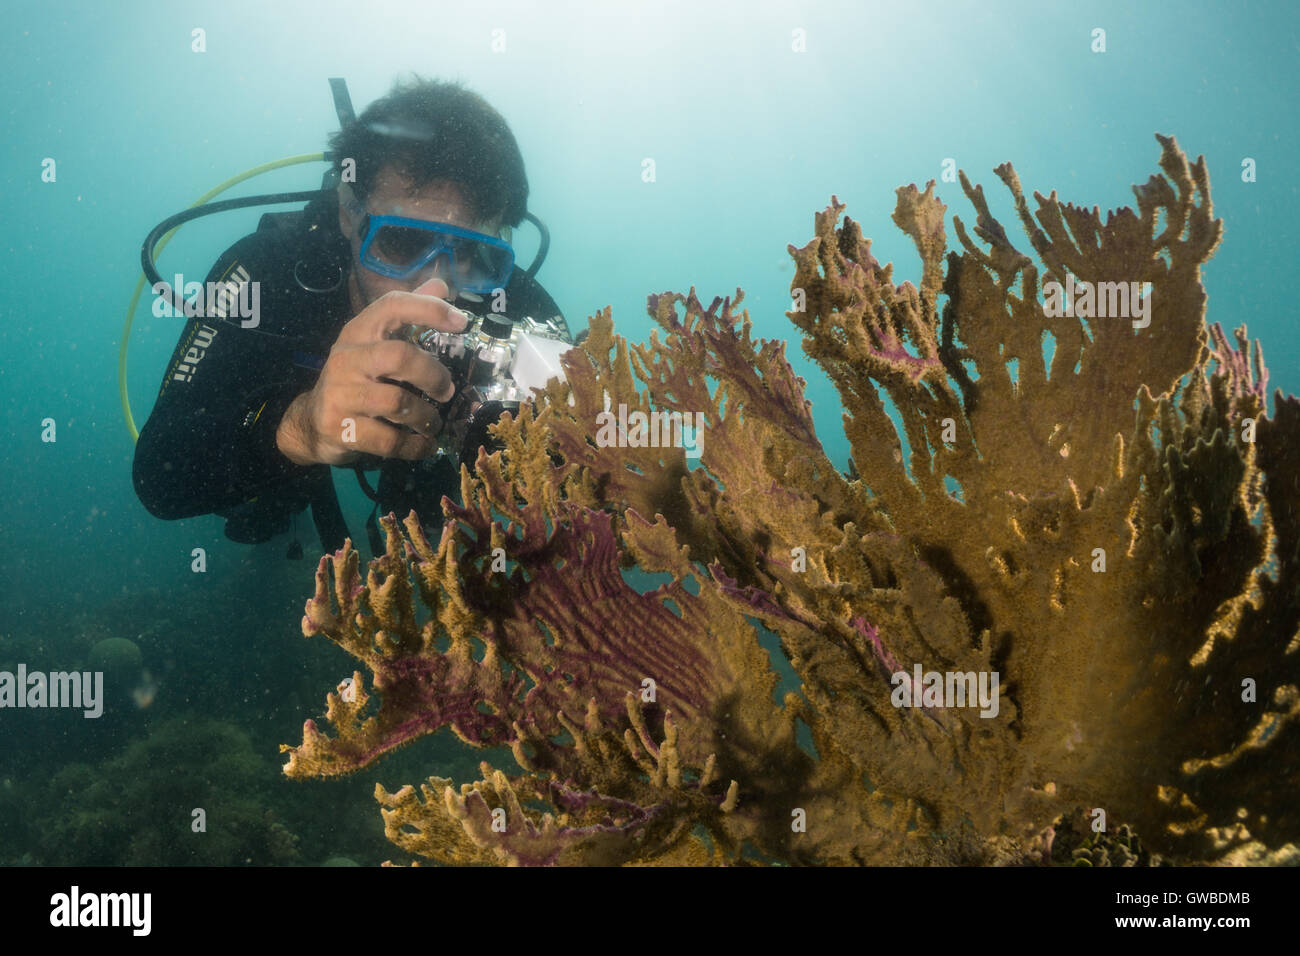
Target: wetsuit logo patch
(195, 349)
(234, 296)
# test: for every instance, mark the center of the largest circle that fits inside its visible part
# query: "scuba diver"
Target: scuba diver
(410, 232)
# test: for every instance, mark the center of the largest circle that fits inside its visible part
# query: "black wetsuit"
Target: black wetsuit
(209, 444)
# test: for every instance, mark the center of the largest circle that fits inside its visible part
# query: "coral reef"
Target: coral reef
(1073, 841)
(1098, 510)
(136, 809)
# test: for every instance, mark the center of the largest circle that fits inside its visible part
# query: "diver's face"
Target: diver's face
(393, 195)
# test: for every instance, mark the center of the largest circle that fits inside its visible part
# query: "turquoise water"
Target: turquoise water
(749, 139)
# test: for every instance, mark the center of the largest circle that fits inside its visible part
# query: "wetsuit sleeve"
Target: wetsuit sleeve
(209, 443)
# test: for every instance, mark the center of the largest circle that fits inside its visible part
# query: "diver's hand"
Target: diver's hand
(358, 383)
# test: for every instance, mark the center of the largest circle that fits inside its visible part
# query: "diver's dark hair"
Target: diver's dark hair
(431, 130)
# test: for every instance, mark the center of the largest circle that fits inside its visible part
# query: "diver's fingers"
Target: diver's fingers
(383, 317)
(395, 360)
(393, 403)
(374, 436)
(435, 287)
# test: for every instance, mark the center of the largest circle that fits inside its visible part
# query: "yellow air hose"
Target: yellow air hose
(139, 286)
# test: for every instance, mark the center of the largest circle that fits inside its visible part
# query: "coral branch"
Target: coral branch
(1079, 588)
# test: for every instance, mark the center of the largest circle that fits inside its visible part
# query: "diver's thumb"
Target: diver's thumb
(435, 287)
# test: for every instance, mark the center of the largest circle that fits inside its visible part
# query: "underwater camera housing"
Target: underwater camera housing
(495, 363)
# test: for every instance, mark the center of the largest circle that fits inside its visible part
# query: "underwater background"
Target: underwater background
(749, 138)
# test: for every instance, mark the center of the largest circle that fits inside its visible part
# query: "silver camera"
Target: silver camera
(495, 363)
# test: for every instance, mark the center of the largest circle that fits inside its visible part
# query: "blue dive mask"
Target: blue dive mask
(399, 248)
